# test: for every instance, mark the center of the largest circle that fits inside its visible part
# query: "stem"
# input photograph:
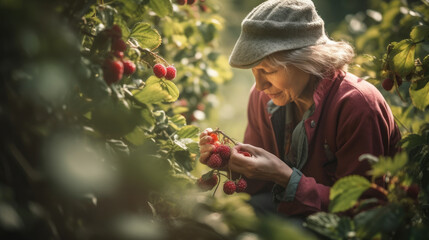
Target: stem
(400, 123)
(217, 185)
(397, 89)
(380, 189)
(224, 135)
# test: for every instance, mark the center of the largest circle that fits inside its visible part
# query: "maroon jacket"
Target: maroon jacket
(351, 118)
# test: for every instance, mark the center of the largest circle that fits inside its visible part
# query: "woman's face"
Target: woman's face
(280, 84)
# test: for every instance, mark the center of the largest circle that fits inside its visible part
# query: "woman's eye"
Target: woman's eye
(271, 72)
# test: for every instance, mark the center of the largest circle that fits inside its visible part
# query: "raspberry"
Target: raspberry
(229, 187)
(204, 8)
(214, 137)
(246, 154)
(112, 71)
(206, 183)
(129, 67)
(215, 161)
(119, 45)
(241, 185)
(224, 151)
(118, 54)
(182, 2)
(387, 84)
(190, 2)
(171, 73)
(159, 70)
(116, 31)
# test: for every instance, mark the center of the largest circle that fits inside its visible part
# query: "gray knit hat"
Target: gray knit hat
(277, 25)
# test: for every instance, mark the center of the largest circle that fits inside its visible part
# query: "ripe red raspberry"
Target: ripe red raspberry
(182, 2)
(190, 2)
(387, 84)
(224, 151)
(112, 71)
(118, 54)
(214, 137)
(116, 31)
(241, 185)
(129, 67)
(246, 154)
(159, 70)
(215, 161)
(171, 73)
(229, 187)
(119, 45)
(206, 183)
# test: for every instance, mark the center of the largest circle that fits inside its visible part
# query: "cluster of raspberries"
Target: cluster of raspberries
(218, 160)
(115, 66)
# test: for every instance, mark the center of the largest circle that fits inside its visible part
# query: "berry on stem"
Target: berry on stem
(159, 70)
(215, 161)
(388, 84)
(112, 71)
(207, 183)
(129, 67)
(214, 137)
(190, 2)
(182, 2)
(171, 73)
(118, 54)
(116, 31)
(229, 187)
(224, 151)
(241, 185)
(119, 45)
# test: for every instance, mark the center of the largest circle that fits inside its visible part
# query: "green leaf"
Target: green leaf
(161, 7)
(379, 220)
(188, 132)
(137, 136)
(420, 33)
(387, 165)
(172, 90)
(146, 36)
(331, 225)
(420, 97)
(412, 141)
(402, 57)
(346, 191)
(154, 92)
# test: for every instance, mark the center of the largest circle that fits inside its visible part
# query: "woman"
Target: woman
(308, 119)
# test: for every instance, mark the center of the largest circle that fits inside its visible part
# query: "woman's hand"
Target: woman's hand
(261, 165)
(206, 145)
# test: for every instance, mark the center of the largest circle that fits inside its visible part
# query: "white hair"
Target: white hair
(321, 60)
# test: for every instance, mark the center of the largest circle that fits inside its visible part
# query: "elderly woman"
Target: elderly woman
(309, 120)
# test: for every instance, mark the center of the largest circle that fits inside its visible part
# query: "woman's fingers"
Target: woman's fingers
(247, 148)
(206, 132)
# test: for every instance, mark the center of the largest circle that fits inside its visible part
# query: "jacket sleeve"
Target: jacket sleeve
(367, 129)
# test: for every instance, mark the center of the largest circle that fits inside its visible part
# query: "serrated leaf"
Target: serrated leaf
(412, 141)
(161, 7)
(346, 191)
(379, 220)
(420, 97)
(179, 120)
(156, 91)
(331, 225)
(419, 33)
(172, 90)
(146, 36)
(136, 137)
(188, 132)
(402, 57)
(387, 165)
